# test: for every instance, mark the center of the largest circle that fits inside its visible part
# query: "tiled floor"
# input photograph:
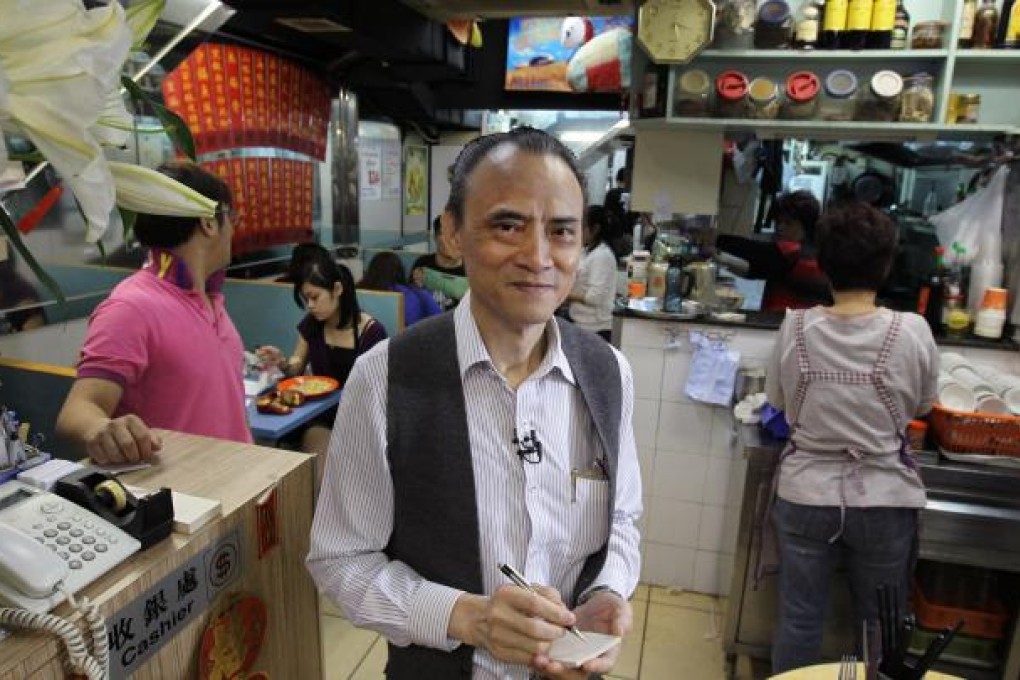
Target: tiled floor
(672, 631)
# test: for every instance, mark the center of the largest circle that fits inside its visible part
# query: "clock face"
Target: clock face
(673, 31)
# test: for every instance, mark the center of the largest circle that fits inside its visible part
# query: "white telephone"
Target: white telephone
(46, 540)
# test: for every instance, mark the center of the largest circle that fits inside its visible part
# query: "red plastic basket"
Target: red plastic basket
(963, 432)
(990, 625)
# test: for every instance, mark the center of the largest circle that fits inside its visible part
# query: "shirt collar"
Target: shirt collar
(471, 350)
(167, 266)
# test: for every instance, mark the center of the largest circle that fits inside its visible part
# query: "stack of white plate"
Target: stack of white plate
(964, 386)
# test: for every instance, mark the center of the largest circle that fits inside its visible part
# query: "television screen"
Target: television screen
(569, 54)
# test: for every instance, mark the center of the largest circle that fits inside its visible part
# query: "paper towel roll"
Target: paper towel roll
(984, 274)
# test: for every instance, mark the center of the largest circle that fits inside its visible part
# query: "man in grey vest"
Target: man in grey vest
(488, 435)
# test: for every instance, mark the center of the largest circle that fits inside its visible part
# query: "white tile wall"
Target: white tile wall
(692, 467)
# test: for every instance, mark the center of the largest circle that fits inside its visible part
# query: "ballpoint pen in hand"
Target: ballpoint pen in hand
(519, 580)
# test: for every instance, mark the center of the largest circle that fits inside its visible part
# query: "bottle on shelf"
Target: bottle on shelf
(858, 24)
(883, 22)
(901, 28)
(986, 24)
(1009, 26)
(833, 24)
(653, 92)
(966, 38)
(808, 26)
(929, 300)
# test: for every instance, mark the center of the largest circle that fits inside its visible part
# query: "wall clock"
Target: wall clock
(674, 31)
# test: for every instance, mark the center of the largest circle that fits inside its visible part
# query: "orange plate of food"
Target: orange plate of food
(312, 386)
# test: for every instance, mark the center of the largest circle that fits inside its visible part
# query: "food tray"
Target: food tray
(975, 433)
(990, 625)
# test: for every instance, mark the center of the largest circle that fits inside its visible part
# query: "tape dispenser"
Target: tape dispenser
(147, 518)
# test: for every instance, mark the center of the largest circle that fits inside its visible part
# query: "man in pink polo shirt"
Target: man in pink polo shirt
(161, 351)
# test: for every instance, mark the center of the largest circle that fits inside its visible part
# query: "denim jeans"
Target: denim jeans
(878, 544)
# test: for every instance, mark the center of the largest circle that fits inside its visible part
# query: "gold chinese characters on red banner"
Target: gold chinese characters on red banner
(273, 199)
(232, 96)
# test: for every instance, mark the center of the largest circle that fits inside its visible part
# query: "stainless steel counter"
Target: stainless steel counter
(972, 518)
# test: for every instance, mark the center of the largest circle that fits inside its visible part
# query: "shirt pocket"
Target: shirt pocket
(589, 517)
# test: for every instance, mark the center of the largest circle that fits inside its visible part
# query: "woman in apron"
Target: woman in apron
(850, 378)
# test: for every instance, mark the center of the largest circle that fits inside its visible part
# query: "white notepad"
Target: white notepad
(191, 513)
(572, 651)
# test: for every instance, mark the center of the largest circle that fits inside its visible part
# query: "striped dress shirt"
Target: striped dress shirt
(538, 517)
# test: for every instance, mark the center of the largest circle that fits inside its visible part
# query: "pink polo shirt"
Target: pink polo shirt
(178, 360)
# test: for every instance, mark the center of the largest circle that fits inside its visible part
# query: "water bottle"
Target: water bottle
(674, 286)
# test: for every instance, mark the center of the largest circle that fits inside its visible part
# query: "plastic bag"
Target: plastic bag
(976, 222)
(713, 371)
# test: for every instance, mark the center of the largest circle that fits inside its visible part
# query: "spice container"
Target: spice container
(928, 35)
(967, 108)
(802, 90)
(840, 98)
(691, 96)
(918, 101)
(734, 24)
(882, 101)
(763, 98)
(774, 25)
(731, 94)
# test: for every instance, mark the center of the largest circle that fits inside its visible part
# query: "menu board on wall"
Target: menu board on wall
(391, 171)
(370, 167)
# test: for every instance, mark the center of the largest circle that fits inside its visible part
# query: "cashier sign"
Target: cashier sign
(140, 629)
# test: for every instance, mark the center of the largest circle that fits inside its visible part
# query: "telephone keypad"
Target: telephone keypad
(63, 540)
(88, 556)
(74, 564)
(74, 547)
(100, 547)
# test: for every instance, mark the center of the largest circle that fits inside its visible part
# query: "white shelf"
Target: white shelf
(826, 55)
(988, 55)
(824, 129)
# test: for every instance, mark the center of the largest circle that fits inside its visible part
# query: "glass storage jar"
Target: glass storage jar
(734, 25)
(691, 96)
(968, 106)
(802, 90)
(918, 101)
(763, 98)
(840, 99)
(928, 35)
(772, 30)
(881, 102)
(731, 94)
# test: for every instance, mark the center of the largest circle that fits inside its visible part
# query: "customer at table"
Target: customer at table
(441, 272)
(333, 334)
(788, 264)
(850, 377)
(386, 273)
(591, 299)
(161, 351)
(493, 434)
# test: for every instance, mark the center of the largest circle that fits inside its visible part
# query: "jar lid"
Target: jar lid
(774, 12)
(930, 26)
(763, 90)
(802, 86)
(731, 85)
(887, 84)
(695, 81)
(969, 98)
(840, 84)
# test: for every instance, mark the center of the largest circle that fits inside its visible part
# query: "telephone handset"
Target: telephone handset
(28, 566)
(46, 540)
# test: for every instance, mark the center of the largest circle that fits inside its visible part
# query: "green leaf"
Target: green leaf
(127, 218)
(31, 157)
(174, 125)
(19, 245)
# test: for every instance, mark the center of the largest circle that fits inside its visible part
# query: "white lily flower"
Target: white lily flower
(60, 63)
(148, 191)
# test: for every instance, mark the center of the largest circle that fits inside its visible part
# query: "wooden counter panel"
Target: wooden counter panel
(237, 475)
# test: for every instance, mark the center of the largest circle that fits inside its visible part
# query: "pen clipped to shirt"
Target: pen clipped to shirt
(519, 580)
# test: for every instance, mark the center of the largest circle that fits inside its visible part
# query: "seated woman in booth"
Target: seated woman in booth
(333, 334)
(386, 273)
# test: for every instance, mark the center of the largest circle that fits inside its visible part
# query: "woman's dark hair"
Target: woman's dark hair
(801, 207)
(384, 271)
(856, 246)
(601, 222)
(526, 139)
(163, 231)
(325, 272)
(302, 254)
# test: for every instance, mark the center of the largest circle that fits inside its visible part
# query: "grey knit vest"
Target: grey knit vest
(435, 518)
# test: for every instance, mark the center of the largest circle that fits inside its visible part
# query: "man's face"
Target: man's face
(520, 237)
